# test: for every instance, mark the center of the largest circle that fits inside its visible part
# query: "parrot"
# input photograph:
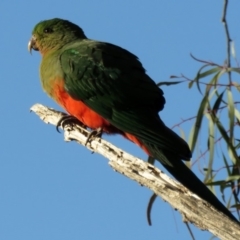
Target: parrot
(107, 89)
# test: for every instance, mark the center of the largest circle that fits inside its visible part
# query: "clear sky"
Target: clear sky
(50, 189)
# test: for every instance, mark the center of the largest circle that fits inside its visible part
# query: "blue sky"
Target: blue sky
(50, 189)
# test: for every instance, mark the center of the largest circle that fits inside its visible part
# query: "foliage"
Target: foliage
(218, 118)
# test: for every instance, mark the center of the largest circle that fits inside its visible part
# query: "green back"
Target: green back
(112, 82)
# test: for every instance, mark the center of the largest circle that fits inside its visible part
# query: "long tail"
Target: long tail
(185, 176)
(160, 142)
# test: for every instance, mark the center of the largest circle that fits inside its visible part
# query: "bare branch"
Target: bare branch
(192, 208)
(229, 40)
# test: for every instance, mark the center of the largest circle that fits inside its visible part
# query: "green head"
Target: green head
(54, 34)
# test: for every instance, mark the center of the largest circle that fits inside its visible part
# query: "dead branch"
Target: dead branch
(192, 208)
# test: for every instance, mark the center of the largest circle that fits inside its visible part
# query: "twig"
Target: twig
(208, 111)
(229, 41)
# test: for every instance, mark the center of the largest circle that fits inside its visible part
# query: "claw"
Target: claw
(68, 119)
(93, 134)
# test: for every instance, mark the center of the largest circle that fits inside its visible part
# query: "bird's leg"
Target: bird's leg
(68, 119)
(93, 134)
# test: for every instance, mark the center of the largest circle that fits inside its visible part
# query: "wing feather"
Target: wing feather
(112, 82)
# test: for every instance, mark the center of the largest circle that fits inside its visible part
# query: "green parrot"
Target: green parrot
(106, 87)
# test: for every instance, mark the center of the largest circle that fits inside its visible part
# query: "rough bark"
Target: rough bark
(191, 207)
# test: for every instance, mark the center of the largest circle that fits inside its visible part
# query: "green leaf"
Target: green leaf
(230, 113)
(237, 70)
(237, 114)
(196, 79)
(217, 103)
(233, 178)
(237, 206)
(235, 170)
(233, 51)
(226, 164)
(216, 183)
(237, 146)
(198, 123)
(190, 84)
(231, 149)
(215, 78)
(169, 83)
(208, 72)
(182, 133)
(204, 74)
(210, 147)
(236, 85)
(173, 76)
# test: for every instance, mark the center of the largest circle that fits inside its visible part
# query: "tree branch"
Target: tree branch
(192, 208)
(229, 41)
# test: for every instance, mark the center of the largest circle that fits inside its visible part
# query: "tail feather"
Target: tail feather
(186, 177)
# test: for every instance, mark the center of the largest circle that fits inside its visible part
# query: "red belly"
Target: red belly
(79, 110)
(87, 116)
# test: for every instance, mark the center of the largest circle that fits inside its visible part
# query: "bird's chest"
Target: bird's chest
(50, 73)
(53, 83)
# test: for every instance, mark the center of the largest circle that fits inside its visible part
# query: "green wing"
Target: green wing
(113, 83)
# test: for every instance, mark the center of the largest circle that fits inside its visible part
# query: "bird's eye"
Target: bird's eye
(48, 30)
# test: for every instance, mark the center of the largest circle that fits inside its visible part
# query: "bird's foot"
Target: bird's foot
(68, 120)
(93, 134)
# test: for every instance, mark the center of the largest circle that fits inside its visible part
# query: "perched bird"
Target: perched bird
(106, 88)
